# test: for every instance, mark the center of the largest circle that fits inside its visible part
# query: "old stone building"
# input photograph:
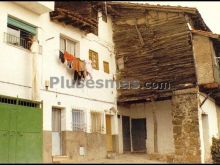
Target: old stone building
(159, 46)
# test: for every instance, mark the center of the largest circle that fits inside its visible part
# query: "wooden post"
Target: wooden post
(155, 126)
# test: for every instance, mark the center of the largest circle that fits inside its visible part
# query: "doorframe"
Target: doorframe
(132, 150)
(111, 118)
(61, 109)
(129, 132)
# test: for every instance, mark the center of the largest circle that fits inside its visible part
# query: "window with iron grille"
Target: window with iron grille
(79, 120)
(19, 33)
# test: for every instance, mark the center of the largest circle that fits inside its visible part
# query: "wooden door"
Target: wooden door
(109, 133)
(126, 133)
(138, 131)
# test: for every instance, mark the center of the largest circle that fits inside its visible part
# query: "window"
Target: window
(78, 117)
(120, 63)
(67, 45)
(96, 122)
(106, 66)
(93, 56)
(19, 33)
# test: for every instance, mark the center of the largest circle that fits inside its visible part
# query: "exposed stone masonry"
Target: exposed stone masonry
(186, 126)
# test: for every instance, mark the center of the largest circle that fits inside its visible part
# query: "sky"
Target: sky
(210, 11)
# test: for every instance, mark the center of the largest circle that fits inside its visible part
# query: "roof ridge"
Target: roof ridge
(132, 4)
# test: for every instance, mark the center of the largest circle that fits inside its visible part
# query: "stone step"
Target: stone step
(59, 159)
(111, 155)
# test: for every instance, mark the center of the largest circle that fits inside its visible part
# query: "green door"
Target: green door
(29, 135)
(20, 134)
(4, 133)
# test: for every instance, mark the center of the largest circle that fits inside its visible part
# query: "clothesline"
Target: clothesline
(81, 68)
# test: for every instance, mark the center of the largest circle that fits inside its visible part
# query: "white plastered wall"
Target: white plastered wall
(15, 75)
(208, 108)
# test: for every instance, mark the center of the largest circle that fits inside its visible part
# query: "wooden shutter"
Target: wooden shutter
(106, 66)
(93, 56)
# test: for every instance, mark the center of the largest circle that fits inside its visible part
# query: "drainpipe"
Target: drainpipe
(35, 70)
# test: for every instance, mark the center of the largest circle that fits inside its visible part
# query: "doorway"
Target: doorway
(205, 126)
(138, 129)
(109, 133)
(126, 133)
(56, 132)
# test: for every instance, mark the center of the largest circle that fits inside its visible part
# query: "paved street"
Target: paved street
(125, 158)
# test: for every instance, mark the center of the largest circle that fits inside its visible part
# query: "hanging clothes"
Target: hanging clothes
(88, 67)
(75, 64)
(82, 69)
(69, 64)
(81, 65)
(61, 57)
(76, 76)
(76, 68)
(68, 56)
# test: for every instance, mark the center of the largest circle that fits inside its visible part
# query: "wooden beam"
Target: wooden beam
(139, 35)
(210, 85)
(155, 125)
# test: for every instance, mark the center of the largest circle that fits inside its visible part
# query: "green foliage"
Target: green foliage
(215, 150)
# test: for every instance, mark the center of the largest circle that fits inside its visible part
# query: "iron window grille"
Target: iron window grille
(78, 120)
(20, 42)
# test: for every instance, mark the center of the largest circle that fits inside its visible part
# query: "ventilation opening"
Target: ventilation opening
(8, 100)
(26, 103)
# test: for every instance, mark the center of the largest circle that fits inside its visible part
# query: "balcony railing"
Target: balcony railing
(20, 42)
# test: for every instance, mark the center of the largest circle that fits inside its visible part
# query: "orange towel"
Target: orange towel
(68, 56)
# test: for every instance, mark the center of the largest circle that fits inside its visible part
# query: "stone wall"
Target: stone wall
(47, 147)
(203, 53)
(94, 145)
(186, 126)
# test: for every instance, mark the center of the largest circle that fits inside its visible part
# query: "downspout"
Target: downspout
(35, 70)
